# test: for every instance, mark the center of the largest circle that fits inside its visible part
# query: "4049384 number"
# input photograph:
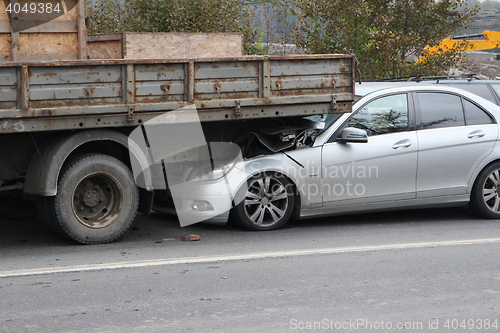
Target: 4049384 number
(32, 7)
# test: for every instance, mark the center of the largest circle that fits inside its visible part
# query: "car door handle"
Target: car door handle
(402, 144)
(476, 134)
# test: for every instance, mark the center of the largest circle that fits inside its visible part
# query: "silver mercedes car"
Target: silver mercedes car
(402, 147)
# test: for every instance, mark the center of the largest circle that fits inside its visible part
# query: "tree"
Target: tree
(108, 16)
(382, 33)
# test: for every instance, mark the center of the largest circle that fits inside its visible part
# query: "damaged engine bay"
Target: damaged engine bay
(226, 145)
(269, 136)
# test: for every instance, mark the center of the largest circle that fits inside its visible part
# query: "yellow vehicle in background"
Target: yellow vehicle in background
(491, 40)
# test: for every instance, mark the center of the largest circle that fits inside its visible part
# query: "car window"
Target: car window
(440, 110)
(478, 89)
(474, 115)
(387, 114)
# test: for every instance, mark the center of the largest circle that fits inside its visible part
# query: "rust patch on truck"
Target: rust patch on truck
(165, 87)
(217, 86)
(88, 91)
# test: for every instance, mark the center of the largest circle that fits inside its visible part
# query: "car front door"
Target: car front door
(384, 168)
(454, 136)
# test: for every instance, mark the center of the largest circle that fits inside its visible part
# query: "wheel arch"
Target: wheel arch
(478, 171)
(45, 165)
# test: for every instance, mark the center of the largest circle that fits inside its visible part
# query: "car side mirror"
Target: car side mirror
(353, 135)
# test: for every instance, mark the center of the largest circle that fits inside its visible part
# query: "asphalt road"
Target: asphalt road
(430, 270)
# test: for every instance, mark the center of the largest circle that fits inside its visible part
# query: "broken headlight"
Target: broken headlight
(205, 172)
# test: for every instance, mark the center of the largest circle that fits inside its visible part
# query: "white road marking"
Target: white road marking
(246, 256)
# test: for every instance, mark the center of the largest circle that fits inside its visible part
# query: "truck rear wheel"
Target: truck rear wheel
(96, 200)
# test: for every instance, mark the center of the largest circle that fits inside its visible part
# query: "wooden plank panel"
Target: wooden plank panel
(111, 49)
(48, 43)
(47, 57)
(82, 30)
(5, 46)
(14, 36)
(182, 45)
(47, 15)
(72, 11)
(4, 16)
(5, 27)
(52, 26)
(104, 37)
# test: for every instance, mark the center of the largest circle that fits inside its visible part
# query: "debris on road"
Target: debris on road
(189, 238)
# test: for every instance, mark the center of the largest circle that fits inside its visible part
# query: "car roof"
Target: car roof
(374, 89)
(463, 81)
(365, 88)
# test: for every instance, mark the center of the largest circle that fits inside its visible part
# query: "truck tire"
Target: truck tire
(266, 204)
(96, 200)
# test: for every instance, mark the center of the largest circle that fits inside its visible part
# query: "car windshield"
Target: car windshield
(325, 119)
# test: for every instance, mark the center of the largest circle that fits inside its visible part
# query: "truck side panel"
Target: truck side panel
(116, 93)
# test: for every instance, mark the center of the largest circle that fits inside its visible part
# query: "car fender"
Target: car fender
(492, 157)
(294, 165)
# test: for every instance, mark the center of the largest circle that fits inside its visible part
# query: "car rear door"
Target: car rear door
(454, 136)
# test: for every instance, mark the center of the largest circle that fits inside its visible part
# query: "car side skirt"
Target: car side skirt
(444, 201)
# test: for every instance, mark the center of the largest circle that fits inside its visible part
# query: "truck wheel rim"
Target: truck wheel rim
(266, 201)
(491, 191)
(97, 200)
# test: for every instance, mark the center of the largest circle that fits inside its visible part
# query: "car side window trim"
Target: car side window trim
(493, 121)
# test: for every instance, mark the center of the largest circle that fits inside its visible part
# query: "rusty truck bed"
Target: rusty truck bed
(112, 93)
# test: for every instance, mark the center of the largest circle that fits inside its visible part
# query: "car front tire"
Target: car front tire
(266, 203)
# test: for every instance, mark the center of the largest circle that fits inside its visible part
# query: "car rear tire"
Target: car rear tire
(96, 200)
(266, 203)
(485, 196)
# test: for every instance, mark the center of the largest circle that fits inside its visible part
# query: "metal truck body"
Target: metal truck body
(56, 116)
